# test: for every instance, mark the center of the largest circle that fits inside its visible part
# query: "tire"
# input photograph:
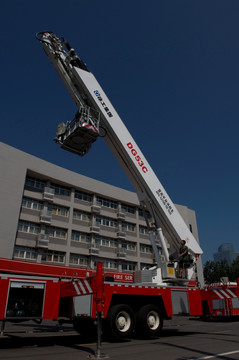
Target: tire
(120, 321)
(149, 321)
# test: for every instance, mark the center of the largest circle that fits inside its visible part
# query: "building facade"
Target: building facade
(226, 252)
(54, 216)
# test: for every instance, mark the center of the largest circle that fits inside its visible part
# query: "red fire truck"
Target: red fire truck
(37, 292)
(125, 303)
(156, 293)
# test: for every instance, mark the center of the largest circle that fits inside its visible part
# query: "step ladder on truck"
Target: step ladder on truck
(157, 293)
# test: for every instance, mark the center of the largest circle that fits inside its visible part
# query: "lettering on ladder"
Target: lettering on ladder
(105, 107)
(137, 158)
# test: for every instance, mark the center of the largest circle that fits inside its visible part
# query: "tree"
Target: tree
(214, 271)
(234, 271)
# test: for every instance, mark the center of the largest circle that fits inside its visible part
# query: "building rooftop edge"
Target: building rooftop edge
(68, 176)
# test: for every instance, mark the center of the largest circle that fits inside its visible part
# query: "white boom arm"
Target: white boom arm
(86, 92)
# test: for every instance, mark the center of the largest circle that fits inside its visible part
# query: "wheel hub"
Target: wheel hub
(123, 321)
(153, 320)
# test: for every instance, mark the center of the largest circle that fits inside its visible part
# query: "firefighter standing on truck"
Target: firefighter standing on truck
(183, 259)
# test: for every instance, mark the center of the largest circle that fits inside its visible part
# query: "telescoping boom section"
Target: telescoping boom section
(95, 117)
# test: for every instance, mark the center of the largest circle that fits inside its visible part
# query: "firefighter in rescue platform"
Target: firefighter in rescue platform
(183, 259)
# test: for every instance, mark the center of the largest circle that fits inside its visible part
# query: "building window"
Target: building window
(58, 210)
(28, 227)
(127, 245)
(143, 230)
(107, 263)
(141, 213)
(105, 241)
(128, 227)
(147, 249)
(128, 266)
(53, 256)
(81, 215)
(127, 209)
(60, 190)
(80, 236)
(100, 220)
(79, 260)
(25, 253)
(106, 202)
(83, 196)
(56, 232)
(35, 183)
(145, 266)
(31, 204)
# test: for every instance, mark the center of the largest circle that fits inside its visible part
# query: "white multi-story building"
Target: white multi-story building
(52, 215)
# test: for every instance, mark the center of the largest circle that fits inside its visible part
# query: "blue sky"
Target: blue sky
(171, 70)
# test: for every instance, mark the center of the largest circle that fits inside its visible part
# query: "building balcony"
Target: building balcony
(121, 215)
(42, 241)
(45, 217)
(95, 209)
(94, 229)
(121, 234)
(121, 254)
(94, 249)
(48, 194)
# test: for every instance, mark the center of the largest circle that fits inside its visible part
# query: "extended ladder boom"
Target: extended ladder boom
(88, 94)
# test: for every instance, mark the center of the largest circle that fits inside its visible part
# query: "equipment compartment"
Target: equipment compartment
(25, 300)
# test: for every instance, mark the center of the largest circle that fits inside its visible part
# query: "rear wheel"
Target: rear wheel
(120, 321)
(149, 321)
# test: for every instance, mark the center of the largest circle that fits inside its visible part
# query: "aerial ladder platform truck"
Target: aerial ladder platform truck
(156, 293)
(125, 303)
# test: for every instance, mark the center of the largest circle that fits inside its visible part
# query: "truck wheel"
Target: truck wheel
(149, 321)
(120, 321)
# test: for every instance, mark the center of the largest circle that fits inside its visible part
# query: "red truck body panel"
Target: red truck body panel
(23, 284)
